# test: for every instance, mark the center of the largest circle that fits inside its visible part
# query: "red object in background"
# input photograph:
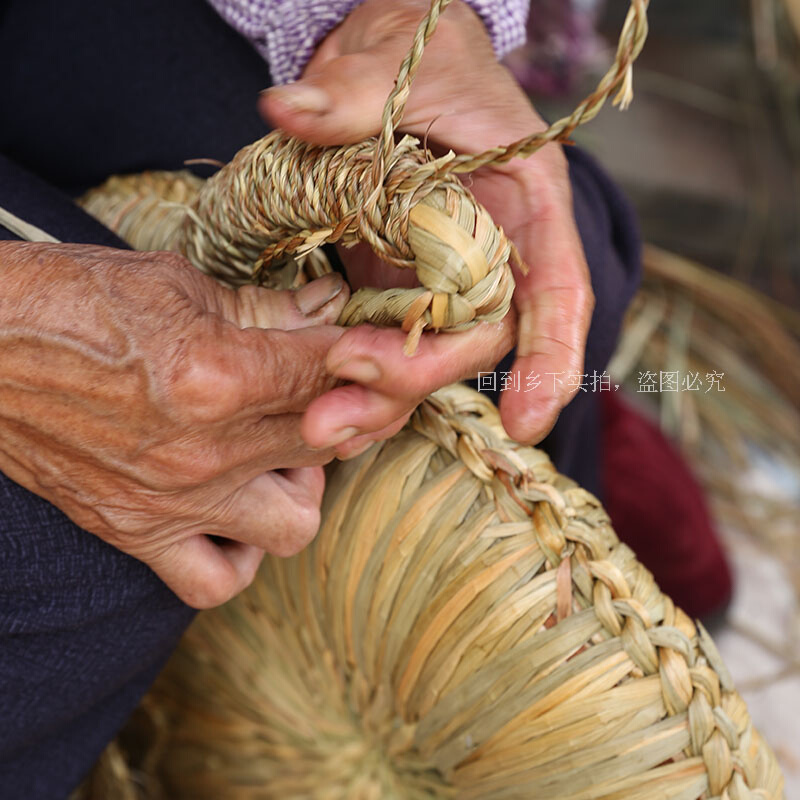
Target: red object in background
(658, 509)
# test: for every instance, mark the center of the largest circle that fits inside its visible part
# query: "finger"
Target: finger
(340, 103)
(341, 96)
(230, 455)
(351, 411)
(358, 444)
(204, 574)
(374, 357)
(267, 443)
(276, 511)
(544, 382)
(554, 304)
(286, 369)
(317, 303)
(388, 383)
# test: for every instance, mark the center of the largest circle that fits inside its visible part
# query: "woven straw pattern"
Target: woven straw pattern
(145, 210)
(466, 624)
(281, 198)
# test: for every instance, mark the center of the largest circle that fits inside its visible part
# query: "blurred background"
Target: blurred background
(709, 152)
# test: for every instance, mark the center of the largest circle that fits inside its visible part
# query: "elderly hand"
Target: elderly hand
(156, 408)
(464, 100)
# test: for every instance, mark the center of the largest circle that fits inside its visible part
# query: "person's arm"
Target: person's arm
(286, 32)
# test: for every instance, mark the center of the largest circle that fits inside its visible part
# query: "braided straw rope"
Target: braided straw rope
(465, 625)
(281, 198)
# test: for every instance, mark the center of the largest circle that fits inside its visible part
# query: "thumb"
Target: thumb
(340, 102)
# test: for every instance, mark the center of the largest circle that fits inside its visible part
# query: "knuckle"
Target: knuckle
(170, 267)
(202, 387)
(297, 363)
(252, 297)
(301, 532)
(454, 34)
(306, 522)
(584, 303)
(410, 386)
(176, 260)
(461, 33)
(558, 162)
(590, 300)
(178, 466)
(506, 338)
(128, 516)
(212, 593)
(257, 307)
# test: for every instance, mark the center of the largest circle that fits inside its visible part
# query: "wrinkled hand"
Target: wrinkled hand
(467, 102)
(142, 399)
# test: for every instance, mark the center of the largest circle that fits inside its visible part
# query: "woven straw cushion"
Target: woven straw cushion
(466, 624)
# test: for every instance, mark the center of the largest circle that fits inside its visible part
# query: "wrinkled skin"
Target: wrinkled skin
(137, 395)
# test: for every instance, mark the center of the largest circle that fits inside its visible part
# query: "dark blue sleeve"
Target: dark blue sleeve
(35, 201)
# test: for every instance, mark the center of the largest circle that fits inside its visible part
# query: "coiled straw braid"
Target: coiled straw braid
(281, 197)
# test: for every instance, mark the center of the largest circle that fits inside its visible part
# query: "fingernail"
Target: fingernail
(359, 370)
(342, 435)
(314, 295)
(301, 97)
